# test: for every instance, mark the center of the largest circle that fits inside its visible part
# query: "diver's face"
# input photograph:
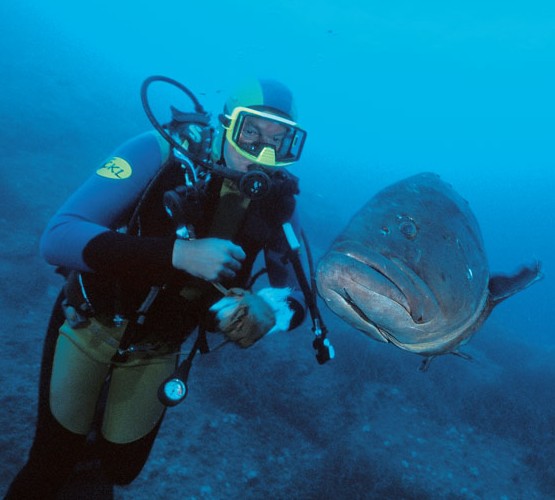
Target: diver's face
(234, 160)
(255, 131)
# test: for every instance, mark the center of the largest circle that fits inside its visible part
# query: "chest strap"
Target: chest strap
(230, 212)
(227, 220)
(228, 217)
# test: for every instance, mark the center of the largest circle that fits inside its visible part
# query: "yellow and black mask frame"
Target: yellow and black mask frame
(263, 137)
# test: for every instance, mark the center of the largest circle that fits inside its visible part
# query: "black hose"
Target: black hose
(155, 123)
(310, 266)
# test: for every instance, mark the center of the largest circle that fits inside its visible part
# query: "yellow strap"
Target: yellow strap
(228, 217)
(230, 212)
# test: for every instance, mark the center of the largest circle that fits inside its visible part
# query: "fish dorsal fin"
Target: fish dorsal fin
(502, 287)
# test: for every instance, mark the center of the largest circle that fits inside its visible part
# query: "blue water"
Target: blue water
(464, 89)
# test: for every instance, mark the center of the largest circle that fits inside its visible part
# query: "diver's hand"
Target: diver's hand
(243, 316)
(246, 317)
(210, 259)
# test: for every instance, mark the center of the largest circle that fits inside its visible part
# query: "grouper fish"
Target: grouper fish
(410, 269)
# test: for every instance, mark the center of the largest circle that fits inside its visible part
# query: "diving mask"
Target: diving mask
(264, 138)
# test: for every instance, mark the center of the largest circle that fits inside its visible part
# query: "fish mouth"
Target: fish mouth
(385, 335)
(387, 276)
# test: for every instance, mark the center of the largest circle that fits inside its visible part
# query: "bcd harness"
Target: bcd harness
(229, 214)
(235, 196)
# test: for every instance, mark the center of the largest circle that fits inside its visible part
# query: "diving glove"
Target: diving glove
(245, 317)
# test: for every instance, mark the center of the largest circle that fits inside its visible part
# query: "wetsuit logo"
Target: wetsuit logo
(115, 168)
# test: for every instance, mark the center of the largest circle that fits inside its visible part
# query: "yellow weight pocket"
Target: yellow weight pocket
(81, 364)
(133, 409)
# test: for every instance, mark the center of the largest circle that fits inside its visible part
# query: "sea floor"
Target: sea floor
(269, 422)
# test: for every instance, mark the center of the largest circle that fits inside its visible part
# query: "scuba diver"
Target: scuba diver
(157, 244)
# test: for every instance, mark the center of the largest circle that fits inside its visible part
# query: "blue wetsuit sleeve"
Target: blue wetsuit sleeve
(83, 235)
(281, 273)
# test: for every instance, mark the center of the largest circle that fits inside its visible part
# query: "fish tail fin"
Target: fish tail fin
(502, 287)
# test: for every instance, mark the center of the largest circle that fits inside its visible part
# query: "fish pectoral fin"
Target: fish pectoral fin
(462, 355)
(502, 287)
(425, 364)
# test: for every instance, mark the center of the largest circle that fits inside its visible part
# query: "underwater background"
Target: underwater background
(385, 90)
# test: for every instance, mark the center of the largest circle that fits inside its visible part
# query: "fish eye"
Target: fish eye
(407, 226)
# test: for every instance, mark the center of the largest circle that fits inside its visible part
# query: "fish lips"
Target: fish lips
(378, 288)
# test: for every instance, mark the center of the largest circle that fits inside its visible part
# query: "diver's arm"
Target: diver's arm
(281, 273)
(82, 234)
